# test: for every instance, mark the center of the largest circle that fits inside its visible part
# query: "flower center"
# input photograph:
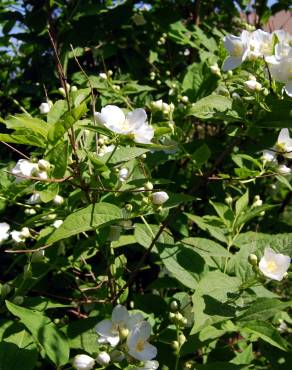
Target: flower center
(237, 50)
(140, 345)
(272, 266)
(125, 126)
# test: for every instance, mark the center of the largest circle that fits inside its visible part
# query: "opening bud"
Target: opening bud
(253, 260)
(103, 358)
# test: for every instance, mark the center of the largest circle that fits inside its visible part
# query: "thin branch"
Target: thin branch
(14, 149)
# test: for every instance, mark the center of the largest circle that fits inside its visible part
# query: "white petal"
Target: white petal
(137, 118)
(105, 328)
(111, 117)
(231, 63)
(134, 319)
(148, 352)
(284, 136)
(144, 134)
(288, 88)
(120, 315)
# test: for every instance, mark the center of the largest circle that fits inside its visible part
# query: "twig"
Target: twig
(14, 149)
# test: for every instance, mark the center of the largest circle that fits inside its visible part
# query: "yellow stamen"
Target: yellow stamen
(272, 266)
(140, 345)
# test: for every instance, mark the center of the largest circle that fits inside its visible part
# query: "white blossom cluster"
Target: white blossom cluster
(275, 48)
(128, 333)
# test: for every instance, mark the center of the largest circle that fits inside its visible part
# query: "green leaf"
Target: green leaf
(215, 231)
(279, 116)
(82, 335)
(183, 263)
(211, 297)
(144, 237)
(60, 127)
(57, 111)
(23, 137)
(47, 192)
(241, 203)
(251, 213)
(58, 157)
(224, 212)
(201, 155)
(86, 219)
(24, 122)
(45, 333)
(263, 309)
(123, 154)
(209, 106)
(266, 332)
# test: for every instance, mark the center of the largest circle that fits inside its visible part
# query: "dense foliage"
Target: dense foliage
(145, 186)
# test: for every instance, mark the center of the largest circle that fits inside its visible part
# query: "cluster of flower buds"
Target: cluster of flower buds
(165, 108)
(272, 265)
(24, 168)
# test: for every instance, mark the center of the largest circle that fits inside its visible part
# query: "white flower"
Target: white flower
(58, 200)
(281, 69)
(284, 143)
(252, 85)
(103, 358)
(238, 48)
(261, 44)
(109, 330)
(17, 236)
(274, 265)
(148, 365)
(138, 347)
(57, 223)
(159, 197)
(113, 118)
(42, 175)
(34, 199)
(120, 323)
(4, 234)
(123, 174)
(83, 362)
(44, 108)
(283, 169)
(25, 232)
(103, 76)
(24, 168)
(269, 156)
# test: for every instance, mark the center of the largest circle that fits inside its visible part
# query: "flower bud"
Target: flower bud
(184, 99)
(171, 316)
(215, 69)
(62, 91)
(74, 88)
(174, 306)
(18, 300)
(123, 174)
(57, 223)
(252, 85)
(42, 175)
(83, 362)
(25, 232)
(181, 339)
(124, 332)
(159, 197)
(5, 290)
(148, 185)
(44, 108)
(43, 165)
(129, 207)
(252, 259)
(228, 200)
(257, 202)
(103, 358)
(114, 233)
(103, 76)
(30, 211)
(286, 275)
(283, 169)
(175, 345)
(58, 200)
